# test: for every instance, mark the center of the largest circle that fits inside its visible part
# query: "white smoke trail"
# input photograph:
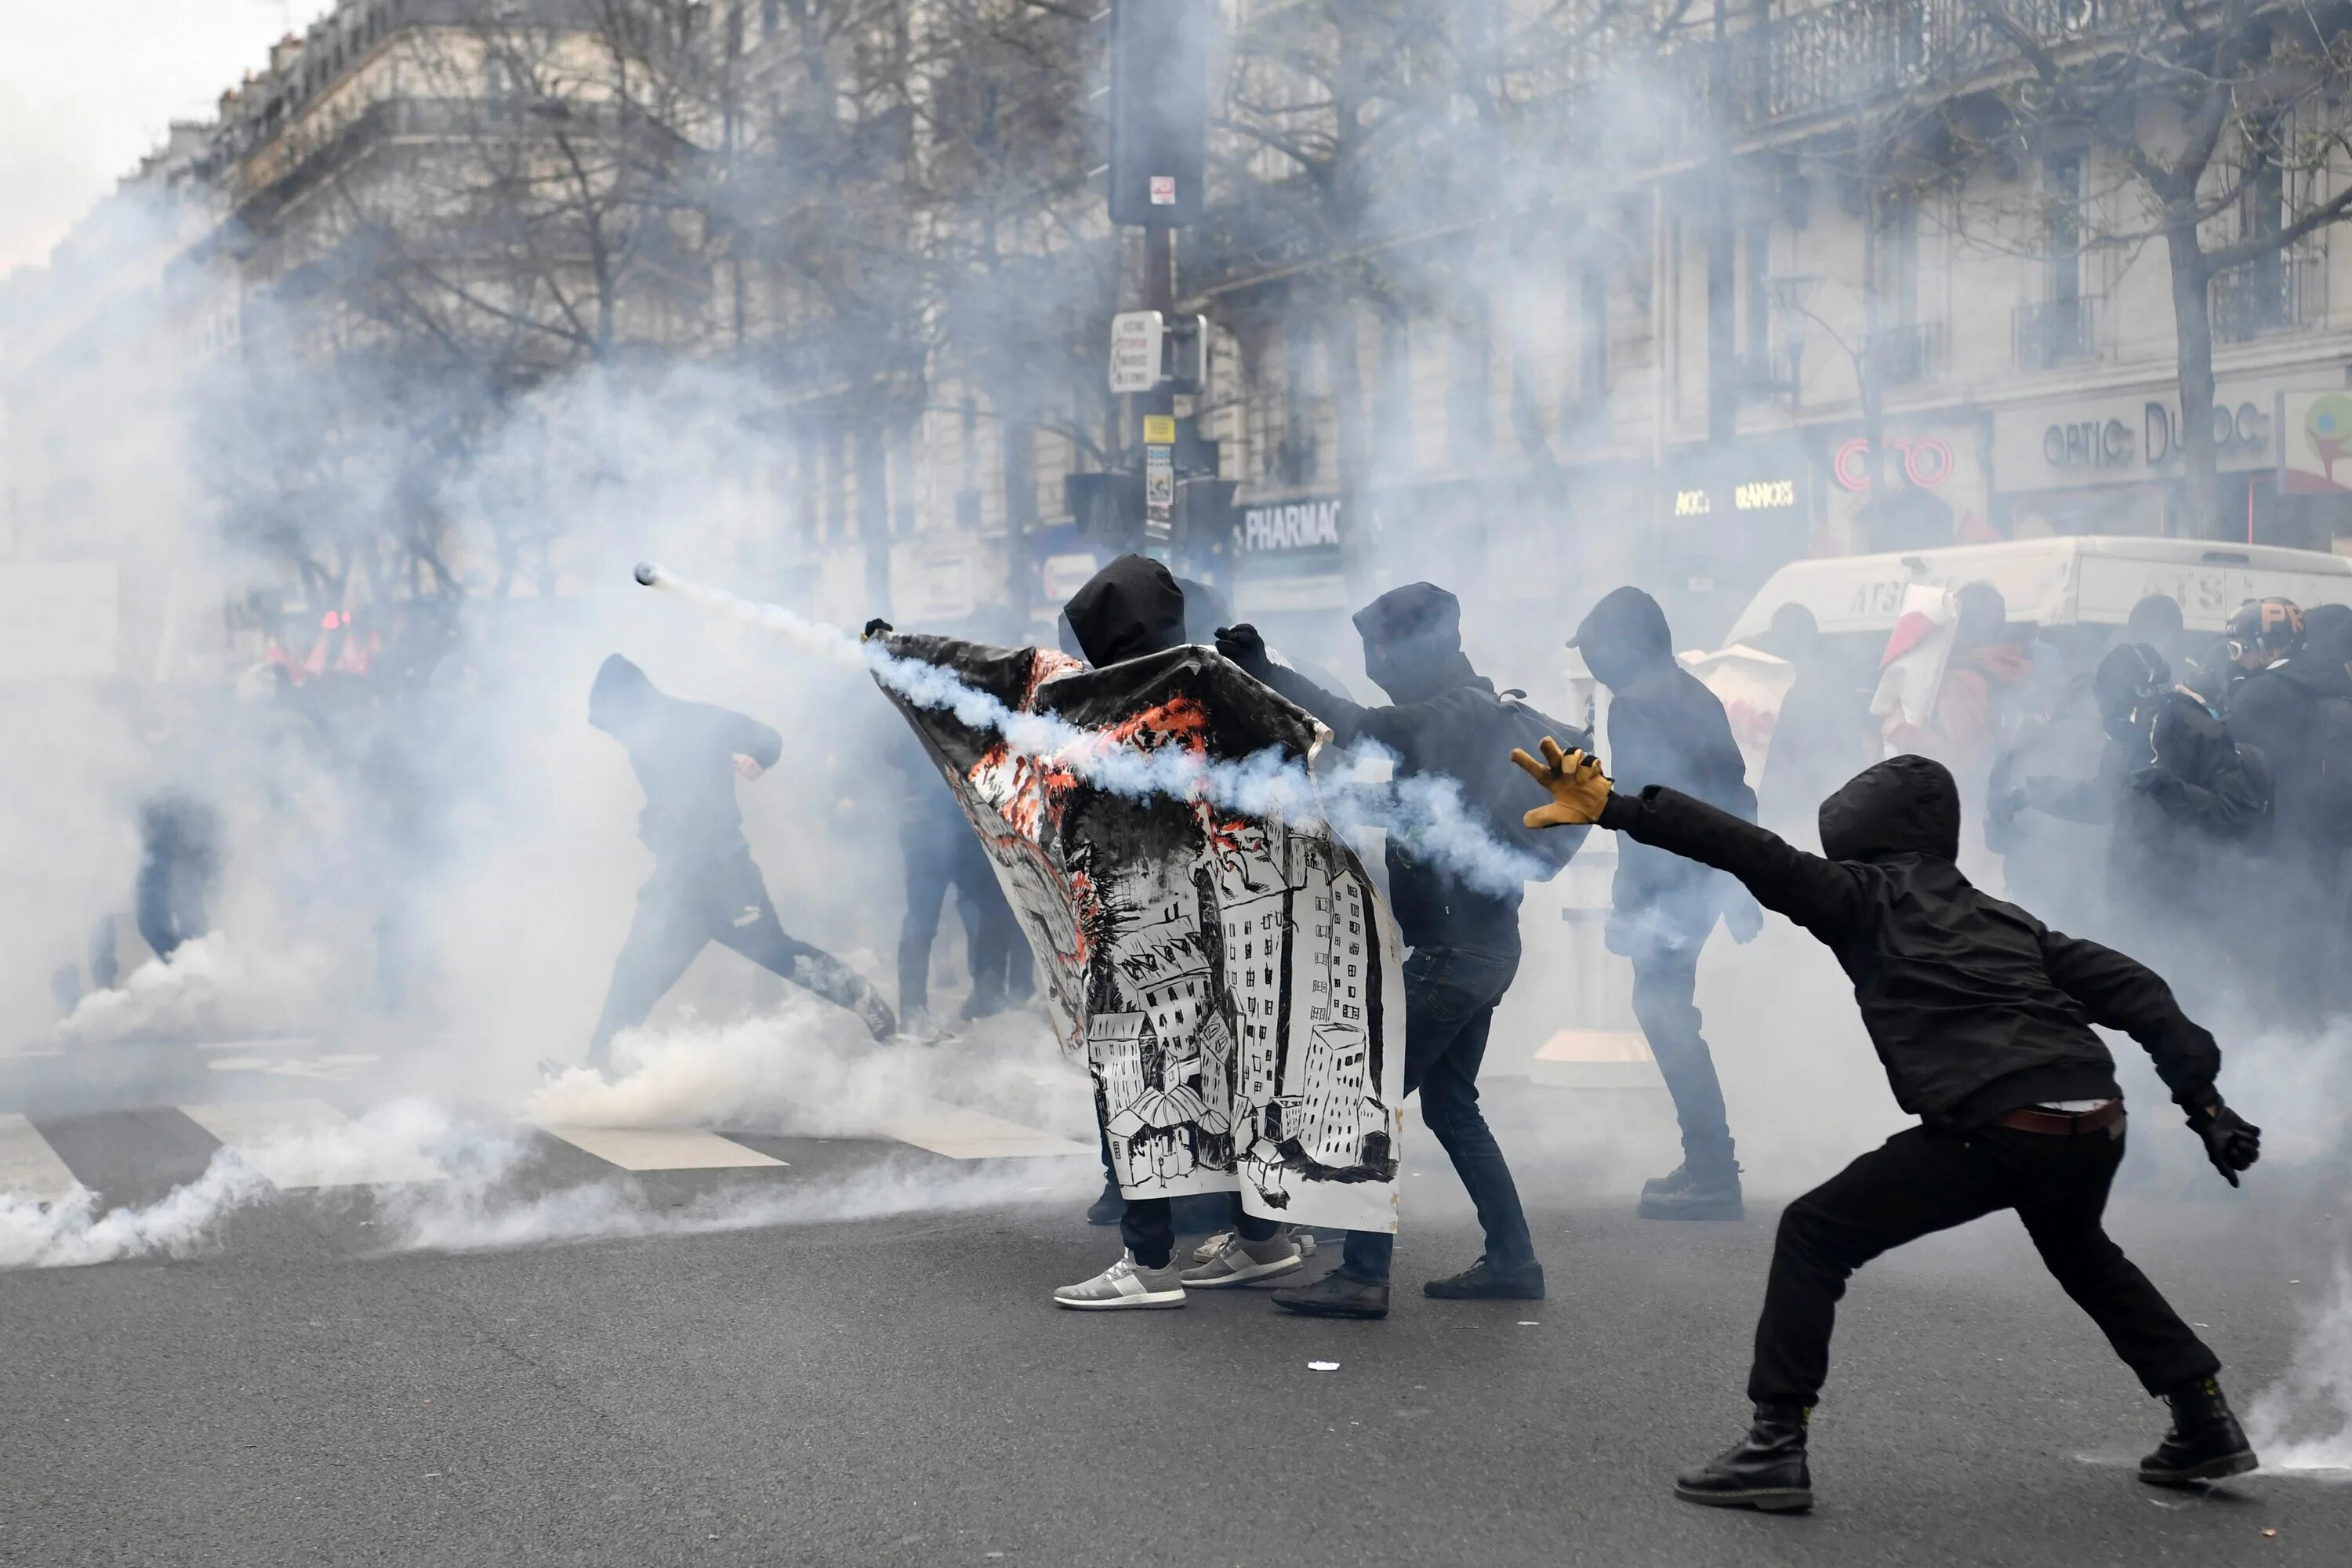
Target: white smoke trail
(1428, 812)
(483, 1201)
(2304, 1422)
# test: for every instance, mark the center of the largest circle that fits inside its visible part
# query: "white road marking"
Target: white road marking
(309, 1143)
(962, 1133)
(660, 1148)
(29, 1168)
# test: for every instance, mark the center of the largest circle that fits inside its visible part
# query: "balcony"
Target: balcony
(1902, 355)
(2055, 331)
(2275, 294)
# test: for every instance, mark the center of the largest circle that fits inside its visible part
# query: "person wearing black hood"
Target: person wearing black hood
(2183, 801)
(1984, 1019)
(1465, 940)
(2292, 701)
(1666, 728)
(1129, 609)
(705, 886)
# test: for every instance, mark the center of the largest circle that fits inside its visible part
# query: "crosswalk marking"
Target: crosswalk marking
(660, 1149)
(29, 1168)
(300, 1143)
(962, 1133)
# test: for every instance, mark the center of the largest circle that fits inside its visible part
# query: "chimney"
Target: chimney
(282, 54)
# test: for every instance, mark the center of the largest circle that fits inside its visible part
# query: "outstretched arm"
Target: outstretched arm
(2120, 992)
(1348, 721)
(1825, 897)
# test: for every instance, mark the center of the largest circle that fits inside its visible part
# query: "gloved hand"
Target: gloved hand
(2232, 1141)
(877, 627)
(1245, 646)
(2006, 807)
(2152, 780)
(1578, 787)
(1743, 917)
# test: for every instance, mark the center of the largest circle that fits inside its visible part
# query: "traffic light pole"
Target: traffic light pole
(1156, 410)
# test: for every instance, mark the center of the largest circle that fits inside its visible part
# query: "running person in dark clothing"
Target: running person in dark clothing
(1982, 1017)
(705, 888)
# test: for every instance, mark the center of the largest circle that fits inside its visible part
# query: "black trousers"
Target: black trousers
(997, 951)
(1450, 997)
(691, 904)
(1920, 1182)
(1665, 980)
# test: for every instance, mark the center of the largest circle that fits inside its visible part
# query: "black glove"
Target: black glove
(877, 627)
(2232, 1141)
(2154, 780)
(1245, 646)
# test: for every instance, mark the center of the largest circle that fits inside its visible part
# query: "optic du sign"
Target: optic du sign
(1295, 525)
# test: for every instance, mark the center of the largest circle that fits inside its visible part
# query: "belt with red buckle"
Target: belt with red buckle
(2063, 1124)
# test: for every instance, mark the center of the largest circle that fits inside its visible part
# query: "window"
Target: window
(1898, 261)
(2062, 182)
(1469, 403)
(1592, 310)
(1756, 244)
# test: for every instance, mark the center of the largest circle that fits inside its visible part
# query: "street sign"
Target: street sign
(1134, 340)
(1158, 481)
(1159, 430)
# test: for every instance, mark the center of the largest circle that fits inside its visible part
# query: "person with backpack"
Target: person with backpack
(1666, 728)
(1984, 1019)
(2183, 799)
(1443, 721)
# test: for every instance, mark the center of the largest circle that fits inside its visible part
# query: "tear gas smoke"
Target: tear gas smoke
(2304, 1421)
(1427, 812)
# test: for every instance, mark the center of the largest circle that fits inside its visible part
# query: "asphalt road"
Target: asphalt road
(896, 1389)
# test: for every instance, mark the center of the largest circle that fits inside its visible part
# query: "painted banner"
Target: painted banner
(1231, 981)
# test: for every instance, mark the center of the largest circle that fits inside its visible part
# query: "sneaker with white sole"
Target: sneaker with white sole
(1207, 1250)
(1239, 1262)
(1125, 1285)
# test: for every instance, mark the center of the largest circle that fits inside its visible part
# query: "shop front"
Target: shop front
(1729, 519)
(2111, 463)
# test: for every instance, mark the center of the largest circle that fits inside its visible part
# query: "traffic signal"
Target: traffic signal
(1159, 110)
(1107, 508)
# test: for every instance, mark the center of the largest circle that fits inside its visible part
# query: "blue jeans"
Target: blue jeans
(1450, 995)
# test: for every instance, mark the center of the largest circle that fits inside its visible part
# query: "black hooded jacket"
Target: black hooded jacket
(2298, 714)
(1442, 713)
(683, 755)
(1664, 728)
(1129, 608)
(1975, 1007)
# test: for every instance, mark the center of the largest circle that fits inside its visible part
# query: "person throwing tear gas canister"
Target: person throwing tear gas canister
(705, 886)
(1984, 1019)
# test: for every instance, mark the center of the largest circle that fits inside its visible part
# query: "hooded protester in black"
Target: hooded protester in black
(705, 886)
(1444, 717)
(2297, 713)
(1984, 1018)
(1129, 608)
(1666, 728)
(2182, 801)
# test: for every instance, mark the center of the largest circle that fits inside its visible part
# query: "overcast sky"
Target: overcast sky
(86, 88)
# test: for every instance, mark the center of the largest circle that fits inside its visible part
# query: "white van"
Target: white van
(2084, 580)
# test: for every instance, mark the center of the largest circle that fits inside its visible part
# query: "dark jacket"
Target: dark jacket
(1666, 727)
(1129, 608)
(2181, 799)
(1443, 712)
(683, 755)
(2298, 714)
(1975, 1007)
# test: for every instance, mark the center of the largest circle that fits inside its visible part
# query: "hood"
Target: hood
(1205, 610)
(620, 693)
(2319, 665)
(1622, 636)
(1129, 608)
(1413, 642)
(1904, 806)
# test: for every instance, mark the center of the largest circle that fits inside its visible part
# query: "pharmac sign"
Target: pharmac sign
(1310, 523)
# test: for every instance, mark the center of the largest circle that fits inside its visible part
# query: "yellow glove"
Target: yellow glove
(1578, 786)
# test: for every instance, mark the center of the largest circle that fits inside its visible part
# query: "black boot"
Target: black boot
(1338, 1294)
(1482, 1281)
(1674, 1181)
(1705, 1186)
(1766, 1471)
(2206, 1442)
(1108, 1208)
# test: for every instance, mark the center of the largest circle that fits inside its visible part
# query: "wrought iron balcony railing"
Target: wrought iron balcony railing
(2275, 294)
(1901, 355)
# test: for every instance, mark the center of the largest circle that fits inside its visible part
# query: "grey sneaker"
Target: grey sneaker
(1238, 1262)
(1207, 1250)
(1124, 1286)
